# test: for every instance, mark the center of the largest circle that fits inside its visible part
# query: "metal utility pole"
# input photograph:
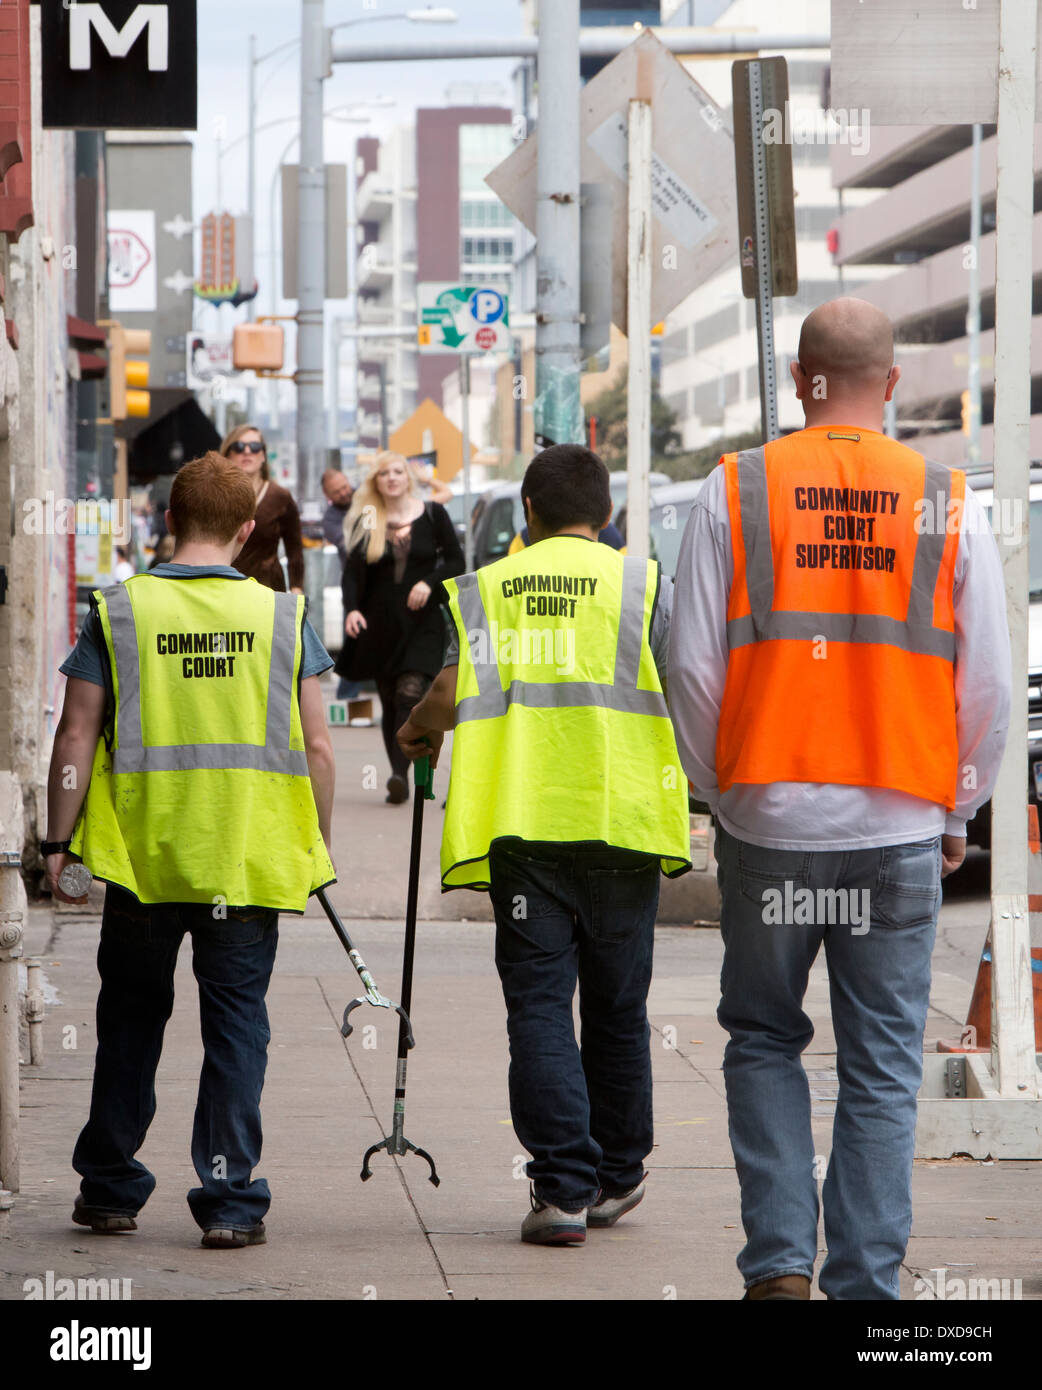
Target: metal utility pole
(311, 252)
(638, 319)
(973, 305)
(1013, 1033)
(464, 383)
(764, 261)
(558, 408)
(251, 162)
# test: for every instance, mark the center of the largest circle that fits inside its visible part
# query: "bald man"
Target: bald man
(839, 681)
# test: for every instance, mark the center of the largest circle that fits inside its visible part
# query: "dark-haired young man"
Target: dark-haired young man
(195, 727)
(565, 801)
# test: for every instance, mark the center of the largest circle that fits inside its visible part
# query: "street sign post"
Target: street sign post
(936, 71)
(682, 195)
(468, 320)
(692, 171)
(463, 318)
(766, 215)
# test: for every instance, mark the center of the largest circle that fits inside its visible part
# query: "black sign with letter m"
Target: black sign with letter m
(119, 64)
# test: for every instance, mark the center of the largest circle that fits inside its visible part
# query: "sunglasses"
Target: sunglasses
(249, 446)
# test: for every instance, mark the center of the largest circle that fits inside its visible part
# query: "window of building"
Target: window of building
(714, 328)
(481, 148)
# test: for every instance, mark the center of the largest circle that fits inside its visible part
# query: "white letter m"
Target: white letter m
(119, 42)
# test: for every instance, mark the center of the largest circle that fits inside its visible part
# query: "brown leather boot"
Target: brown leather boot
(787, 1288)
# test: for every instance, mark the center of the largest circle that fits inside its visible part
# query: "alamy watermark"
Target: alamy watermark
(950, 1290)
(529, 646)
(70, 516)
(789, 906)
(810, 126)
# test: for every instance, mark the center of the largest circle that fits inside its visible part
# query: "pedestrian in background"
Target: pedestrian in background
(338, 493)
(277, 518)
(565, 801)
(839, 679)
(399, 552)
(182, 832)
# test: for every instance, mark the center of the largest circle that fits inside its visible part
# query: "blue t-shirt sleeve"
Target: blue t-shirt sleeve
(84, 662)
(314, 659)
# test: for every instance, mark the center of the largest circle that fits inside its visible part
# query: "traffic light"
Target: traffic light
(128, 375)
(965, 412)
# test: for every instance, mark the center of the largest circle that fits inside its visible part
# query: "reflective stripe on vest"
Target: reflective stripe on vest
(274, 755)
(492, 700)
(916, 633)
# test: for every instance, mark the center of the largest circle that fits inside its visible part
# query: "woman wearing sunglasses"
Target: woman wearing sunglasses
(276, 516)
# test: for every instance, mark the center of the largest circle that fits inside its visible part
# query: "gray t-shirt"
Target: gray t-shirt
(659, 632)
(85, 661)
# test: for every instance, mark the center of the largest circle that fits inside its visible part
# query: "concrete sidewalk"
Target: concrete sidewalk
(327, 1100)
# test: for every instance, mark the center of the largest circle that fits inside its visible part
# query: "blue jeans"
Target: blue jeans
(566, 913)
(232, 960)
(347, 690)
(879, 983)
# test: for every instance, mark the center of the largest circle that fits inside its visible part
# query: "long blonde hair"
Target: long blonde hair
(367, 515)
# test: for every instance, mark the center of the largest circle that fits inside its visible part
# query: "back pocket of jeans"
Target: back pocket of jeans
(244, 926)
(621, 900)
(908, 885)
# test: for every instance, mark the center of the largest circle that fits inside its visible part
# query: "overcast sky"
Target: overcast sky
(224, 30)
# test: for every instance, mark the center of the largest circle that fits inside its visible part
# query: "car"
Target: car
(454, 507)
(978, 831)
(500, 516)
(668, 510)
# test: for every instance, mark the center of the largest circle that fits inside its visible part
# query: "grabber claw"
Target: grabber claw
(346, 1028)
(401, 1146)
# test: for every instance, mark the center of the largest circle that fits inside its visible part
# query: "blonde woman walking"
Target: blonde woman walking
(399, 551)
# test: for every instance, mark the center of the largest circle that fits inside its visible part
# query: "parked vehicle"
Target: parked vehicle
(667, 517)
(978, 831)
(499, 515)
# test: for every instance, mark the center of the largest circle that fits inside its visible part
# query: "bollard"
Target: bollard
(10, 952)
(34, 1011)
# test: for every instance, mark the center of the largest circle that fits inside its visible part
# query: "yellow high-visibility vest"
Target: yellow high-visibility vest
(200, 790)
(562, 730)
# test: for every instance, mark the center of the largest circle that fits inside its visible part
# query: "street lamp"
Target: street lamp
(431, 15)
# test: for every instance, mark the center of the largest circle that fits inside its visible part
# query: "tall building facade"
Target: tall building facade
(915, 233)
(424, 213)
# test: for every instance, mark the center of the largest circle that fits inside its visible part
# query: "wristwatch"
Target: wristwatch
(48, 847)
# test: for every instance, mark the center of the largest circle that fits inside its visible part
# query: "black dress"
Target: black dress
(398, 639)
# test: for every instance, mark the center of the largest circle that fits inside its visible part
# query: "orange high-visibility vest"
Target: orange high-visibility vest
(840, 624)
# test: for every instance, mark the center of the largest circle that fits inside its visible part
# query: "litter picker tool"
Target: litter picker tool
(372, 994)
(396, 1143)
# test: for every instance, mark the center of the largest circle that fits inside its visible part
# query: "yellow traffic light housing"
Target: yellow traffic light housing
(129, 375)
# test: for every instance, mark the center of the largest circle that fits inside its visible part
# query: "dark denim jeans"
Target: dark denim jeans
(879, 985)
(586, 913)
(232, 960)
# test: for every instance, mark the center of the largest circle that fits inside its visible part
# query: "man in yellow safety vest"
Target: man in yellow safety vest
(565, 801)
(192, 738)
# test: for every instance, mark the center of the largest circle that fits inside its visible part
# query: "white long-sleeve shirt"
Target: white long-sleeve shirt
(822, 815)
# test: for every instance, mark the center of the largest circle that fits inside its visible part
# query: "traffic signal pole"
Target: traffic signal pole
(311, 255)
(558, 363)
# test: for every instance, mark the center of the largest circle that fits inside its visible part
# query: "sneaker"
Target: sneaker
(227, 1238)
(607, 1210)
(397, 790)
(101, 1221)
(547, 1225)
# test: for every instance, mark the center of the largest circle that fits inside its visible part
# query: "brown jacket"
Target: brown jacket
(277, 517)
